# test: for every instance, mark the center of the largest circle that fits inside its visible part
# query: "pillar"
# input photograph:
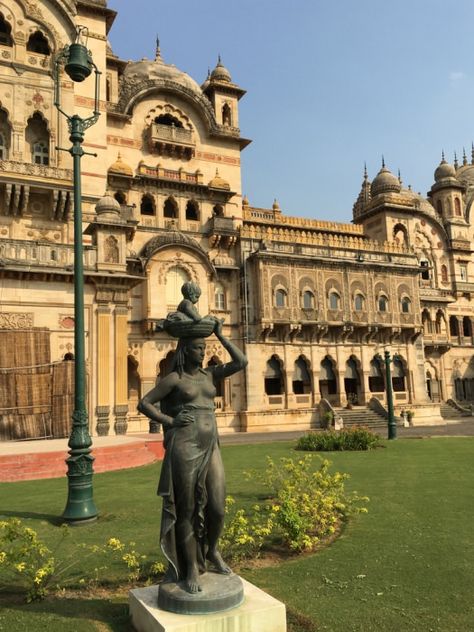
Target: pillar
(103, 370)
(121, 377)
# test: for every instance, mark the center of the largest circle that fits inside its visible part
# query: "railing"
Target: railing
(44, 255)
(325, 408)
(219, 403)
(30, 169)
(435, 338)
(275, 400)
(467, 411)
(303, 399)
(222, 225)
(170, 133)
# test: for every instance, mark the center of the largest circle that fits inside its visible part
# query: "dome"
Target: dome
(147, 69)
(121, 167)
(276, 206)
(245, 201)
(220, 73)
(444, 170)
(385, 182)
(108, 206)
(218, 183)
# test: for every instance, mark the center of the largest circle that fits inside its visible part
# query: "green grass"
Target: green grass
(406, 565)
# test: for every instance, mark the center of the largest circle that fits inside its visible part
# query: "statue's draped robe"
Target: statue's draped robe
(190, 457)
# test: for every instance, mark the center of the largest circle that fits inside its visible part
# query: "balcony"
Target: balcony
(172, 141)
(222, 232)
(18, 254)
(436, 340)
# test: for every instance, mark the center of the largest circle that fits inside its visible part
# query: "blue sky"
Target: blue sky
(330, 84)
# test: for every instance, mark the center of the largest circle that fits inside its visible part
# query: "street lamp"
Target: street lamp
(392, 426)
(78, 64)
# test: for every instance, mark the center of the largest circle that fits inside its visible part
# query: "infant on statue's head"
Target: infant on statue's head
(191, 292)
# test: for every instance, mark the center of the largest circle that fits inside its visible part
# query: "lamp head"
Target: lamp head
(79, 63)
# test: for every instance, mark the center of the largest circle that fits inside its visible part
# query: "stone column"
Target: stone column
(103, 370)
(340, 373)
(121, 378)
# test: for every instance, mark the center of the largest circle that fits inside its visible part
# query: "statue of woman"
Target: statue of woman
(192, 482)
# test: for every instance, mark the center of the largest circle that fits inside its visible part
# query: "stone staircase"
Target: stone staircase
(450, 412)
(361, 416)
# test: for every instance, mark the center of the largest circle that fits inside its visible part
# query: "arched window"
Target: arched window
(426, 322)
(5, 135)
(219, 296)
(273, 377)
(405, 305)
(308, 300)
(37, 136)
(226, 114)
(376, 381)
(466, 327)
(457, 206)
(168, 119)
(40, 154)
(439, 207)
(400, 234)
(175, 279)
(382, 303)
(120, 197)
(444, 274)
(425, 269)
(147, 205)
(334, 300)
(453, 326)
(170, 208)
(218, 210)
(192, 210)
(108, 89)
(358, 303)
(398, 375)
(37, 43)
(5, 32)
(280, 298)
(301, 377)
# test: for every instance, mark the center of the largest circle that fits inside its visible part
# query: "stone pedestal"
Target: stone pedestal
(259, 612)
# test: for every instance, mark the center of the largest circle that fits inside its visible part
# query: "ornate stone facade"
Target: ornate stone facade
(313, 302)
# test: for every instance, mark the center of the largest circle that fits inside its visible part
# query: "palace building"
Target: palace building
(313, 303)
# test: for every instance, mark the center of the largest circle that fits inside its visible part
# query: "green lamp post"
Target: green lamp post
(80, 507)
(392, 426)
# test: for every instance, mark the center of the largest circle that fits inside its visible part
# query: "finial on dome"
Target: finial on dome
(158, 50)
(456, 164)
(366, 175)
(275, 205)
(383, 162)
(464, 158)
(245, 201)
(400, 177)
(219, 61)
(442, 155)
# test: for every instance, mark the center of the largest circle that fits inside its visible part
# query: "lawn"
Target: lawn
(406, 565)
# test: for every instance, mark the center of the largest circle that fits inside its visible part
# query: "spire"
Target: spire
(383, 162)
(464, 159)
(400, 178)
(442, 156)
(157, 50)
(366, 176)
(456, 164)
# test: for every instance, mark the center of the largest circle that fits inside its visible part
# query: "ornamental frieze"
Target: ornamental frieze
(16, 320)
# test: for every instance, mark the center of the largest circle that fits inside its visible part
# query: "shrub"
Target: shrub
(28, 565)
(327, 419)
(303, 506)
(336, 440)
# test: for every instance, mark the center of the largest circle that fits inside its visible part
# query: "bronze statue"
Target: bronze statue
(192, 482)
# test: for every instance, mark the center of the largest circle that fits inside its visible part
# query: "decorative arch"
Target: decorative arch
(147, 205)
(174, 239)
(376, 375)
(327, 377)
(192, 210)
(37, 136)
(38, 43)
(6, 37)
(400, 234)
(170, 208)
(169, 114)
(274, 376)
(301, 376)
(226, 115)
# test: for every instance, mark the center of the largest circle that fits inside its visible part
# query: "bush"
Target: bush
(337, 440)
(303, 506)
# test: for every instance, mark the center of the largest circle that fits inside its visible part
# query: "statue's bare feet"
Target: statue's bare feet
(216, 560)
(192, 581)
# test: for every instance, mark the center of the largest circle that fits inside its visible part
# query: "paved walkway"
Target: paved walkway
(452, 428)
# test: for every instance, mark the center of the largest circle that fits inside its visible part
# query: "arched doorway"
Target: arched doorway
(274, 383)
(352, 381)
(301, 377)
(328, 380)
(376, 379)
(133, 384)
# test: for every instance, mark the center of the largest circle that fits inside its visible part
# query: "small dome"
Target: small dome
(276, 206)
(444, 170)
(385, 182)
(220, 73)
(218, 183)
(108, 205)
(245, 201)
(121, 167)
